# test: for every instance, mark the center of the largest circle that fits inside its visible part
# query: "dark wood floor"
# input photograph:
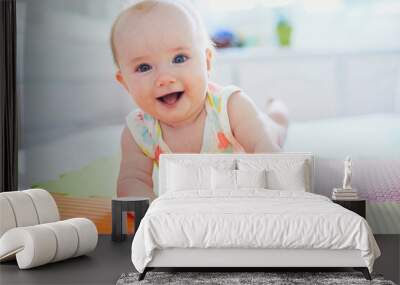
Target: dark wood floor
(102, 266)
(110, 260)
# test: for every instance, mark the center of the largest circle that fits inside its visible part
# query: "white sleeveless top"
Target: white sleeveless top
(217, 133)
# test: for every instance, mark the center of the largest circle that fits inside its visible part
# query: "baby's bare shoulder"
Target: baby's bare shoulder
(127, 140)
(241, 107)
(130, 151)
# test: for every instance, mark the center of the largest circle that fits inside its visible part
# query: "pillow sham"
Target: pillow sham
(251, 178)
(289, 174)
(223, 179)
(287, 179)
(181, 177)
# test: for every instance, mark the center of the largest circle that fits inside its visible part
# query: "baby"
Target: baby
(163, 57)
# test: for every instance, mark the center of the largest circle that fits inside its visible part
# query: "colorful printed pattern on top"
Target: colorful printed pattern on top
(217, 136)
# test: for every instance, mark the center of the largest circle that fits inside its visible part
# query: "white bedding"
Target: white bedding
(250, 218)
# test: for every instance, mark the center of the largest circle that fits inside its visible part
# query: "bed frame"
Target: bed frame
(245, 259)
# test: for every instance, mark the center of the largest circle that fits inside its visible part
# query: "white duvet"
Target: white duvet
(250, 218)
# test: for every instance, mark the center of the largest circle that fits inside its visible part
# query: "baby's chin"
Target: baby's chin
(175, 120)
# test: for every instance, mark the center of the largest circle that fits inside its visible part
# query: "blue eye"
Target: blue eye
(180, 58)
(144, 67)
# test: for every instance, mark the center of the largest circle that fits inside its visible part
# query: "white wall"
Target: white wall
(315, 85)
(66, 74)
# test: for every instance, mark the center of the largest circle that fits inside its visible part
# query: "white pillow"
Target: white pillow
(287, 179)
(223, 179)
(282, 174)
(181, 177)
(251, 178)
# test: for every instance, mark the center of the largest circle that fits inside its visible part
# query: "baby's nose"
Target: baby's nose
(164, 80)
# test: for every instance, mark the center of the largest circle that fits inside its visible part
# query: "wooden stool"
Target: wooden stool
(120, 207)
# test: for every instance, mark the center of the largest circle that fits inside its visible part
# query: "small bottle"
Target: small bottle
(284, 31)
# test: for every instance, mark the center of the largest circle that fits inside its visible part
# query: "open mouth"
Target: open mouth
(170, 98)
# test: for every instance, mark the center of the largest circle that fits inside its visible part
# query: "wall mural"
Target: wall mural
(341, 102)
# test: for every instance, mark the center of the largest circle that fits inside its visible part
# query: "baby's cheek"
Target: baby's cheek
(198, 83)
(144, 103)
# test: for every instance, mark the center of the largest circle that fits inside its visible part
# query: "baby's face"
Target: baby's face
(163, 63)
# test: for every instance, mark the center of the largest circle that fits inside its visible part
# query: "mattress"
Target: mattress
(250, 218)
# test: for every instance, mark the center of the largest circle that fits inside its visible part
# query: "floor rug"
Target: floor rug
(269, 278)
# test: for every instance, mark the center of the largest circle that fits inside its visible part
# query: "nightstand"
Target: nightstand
(357, 206)
(120, 207)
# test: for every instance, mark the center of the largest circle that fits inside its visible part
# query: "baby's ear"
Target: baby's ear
(209, 56)
(120, 78)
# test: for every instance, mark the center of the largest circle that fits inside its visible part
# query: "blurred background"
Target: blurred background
(335, 63)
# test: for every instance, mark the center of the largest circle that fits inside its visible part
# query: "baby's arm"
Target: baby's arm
(135, 173)
(252, 129)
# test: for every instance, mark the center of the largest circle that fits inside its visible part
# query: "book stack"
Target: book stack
(344, 194)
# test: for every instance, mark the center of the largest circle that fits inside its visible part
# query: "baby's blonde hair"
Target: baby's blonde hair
(145, 6)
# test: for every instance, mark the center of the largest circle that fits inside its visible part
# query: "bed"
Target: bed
(247, 210)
